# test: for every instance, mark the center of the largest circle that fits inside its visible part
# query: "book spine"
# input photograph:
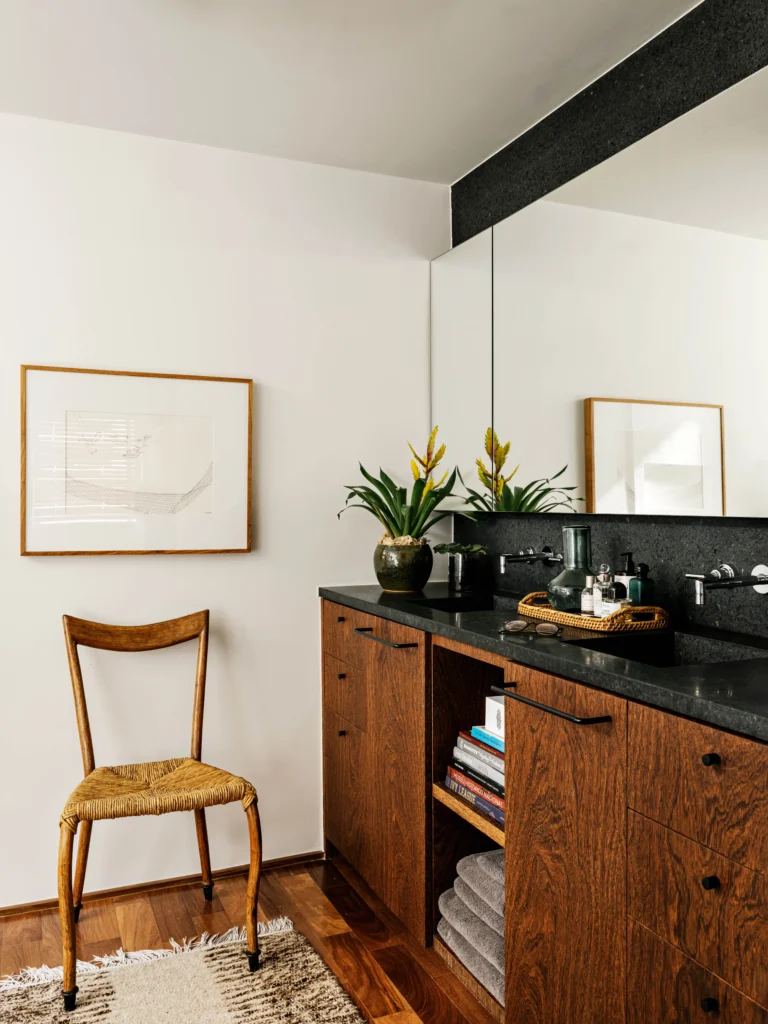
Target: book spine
(477, 801)
(479, 766)
(479, 777)
(487, 737)
(476, 788)
(482, 755)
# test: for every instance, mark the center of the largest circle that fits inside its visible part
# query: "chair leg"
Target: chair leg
(254, 875)
(205, 857)
(83, 844)
(67, 915)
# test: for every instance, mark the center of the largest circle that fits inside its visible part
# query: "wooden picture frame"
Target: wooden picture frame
(155, 512)
(589, 441)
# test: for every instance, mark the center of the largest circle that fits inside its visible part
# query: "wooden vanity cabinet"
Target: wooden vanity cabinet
(565, 843)
(375, 753)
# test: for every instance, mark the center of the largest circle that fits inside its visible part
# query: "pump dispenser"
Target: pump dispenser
(626, 572)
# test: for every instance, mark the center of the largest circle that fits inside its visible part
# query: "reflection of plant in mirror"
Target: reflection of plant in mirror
(536, 496)
(401, 517)
(460, 549)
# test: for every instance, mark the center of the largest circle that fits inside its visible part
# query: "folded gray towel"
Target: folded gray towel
(478, 906)
(476, 964)
(480, 882)
(485, 940)
(493, 865)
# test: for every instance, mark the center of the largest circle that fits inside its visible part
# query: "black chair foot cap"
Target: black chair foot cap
(78, 908)
(253, 960)
(208, 892)
(70, 998)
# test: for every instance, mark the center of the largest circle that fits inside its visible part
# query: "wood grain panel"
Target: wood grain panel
(667, 987)
(724, 806)
(725, 928)
(339, 638)
(345, 691)
(397, 793)
(425, 997)
(346, 788)
(480, 993)
(565, 855)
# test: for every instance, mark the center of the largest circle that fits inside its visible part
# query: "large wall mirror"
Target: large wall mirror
(629, 320)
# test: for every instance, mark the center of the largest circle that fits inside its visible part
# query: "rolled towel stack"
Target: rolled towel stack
(472, 922)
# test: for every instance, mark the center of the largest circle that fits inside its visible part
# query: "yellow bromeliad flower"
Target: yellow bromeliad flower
(493, 479)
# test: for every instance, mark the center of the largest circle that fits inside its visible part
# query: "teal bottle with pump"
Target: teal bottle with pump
(641, 587)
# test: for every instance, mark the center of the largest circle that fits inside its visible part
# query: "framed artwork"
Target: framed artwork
(654, 458)
(124, 463)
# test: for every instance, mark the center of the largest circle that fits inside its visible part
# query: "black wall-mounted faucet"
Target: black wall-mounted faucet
(529, 555)
(725, 577)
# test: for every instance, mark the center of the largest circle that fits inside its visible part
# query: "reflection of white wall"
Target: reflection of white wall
(461, 351)
(125, 252)
(590, 303)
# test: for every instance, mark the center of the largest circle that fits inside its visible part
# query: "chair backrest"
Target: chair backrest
(81, 632)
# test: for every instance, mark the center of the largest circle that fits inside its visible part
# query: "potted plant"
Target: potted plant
(403, 558)
(460, 563)
(536, 496)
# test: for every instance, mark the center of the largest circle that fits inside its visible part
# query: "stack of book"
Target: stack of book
(476, 769)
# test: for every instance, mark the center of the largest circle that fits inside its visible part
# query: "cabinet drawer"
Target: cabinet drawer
(667, 987)
(723, 926)
(722, 804)
(344, 787)
(345, 691)
(354, 637)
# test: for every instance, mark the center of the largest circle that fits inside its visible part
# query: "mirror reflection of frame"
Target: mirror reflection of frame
(654, 458)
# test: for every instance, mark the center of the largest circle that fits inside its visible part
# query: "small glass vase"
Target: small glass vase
(565, 590)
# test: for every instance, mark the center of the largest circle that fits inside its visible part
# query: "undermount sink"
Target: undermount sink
(480, 602)
(671, 649)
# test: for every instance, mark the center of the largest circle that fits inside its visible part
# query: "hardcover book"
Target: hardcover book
(479, 767)
(479, 733)
(481, 751)
(479, 790)
(477, 802)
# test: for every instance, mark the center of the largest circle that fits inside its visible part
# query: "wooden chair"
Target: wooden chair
(156, 787)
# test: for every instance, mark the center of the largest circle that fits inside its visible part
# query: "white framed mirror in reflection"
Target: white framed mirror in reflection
(645, 280)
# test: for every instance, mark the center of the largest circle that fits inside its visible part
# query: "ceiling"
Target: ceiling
(419, 88)
(707, 169)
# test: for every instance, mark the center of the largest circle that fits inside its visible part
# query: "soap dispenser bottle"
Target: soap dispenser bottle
(627, 572)
(604, 580)
(641, 588)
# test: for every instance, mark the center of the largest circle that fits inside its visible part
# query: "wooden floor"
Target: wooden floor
(390, 976)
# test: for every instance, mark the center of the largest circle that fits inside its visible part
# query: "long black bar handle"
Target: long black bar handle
(367, 632)
(598, 720)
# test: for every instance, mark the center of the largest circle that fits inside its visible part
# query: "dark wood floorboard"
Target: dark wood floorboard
(389, 975)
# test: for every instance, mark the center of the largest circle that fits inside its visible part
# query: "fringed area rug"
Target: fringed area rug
(201, 982)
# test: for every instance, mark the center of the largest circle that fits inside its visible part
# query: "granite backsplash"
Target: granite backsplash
(670, 546)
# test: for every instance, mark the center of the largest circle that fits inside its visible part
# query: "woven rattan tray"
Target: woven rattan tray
(623, 621)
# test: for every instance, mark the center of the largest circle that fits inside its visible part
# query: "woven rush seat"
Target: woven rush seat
(155, 787)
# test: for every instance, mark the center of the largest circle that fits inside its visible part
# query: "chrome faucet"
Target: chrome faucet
(725, 577)
(546, 555)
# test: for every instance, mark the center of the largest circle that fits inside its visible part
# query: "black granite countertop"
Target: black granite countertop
(731, 695)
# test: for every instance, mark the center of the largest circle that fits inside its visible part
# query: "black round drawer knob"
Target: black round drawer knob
(709, 1004)
(710, 759)
(342, 732)
(711, 882)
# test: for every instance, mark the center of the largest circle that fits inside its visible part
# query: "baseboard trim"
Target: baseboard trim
(296, 860)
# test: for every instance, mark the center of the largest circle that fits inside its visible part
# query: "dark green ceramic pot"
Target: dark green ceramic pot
(402, 568)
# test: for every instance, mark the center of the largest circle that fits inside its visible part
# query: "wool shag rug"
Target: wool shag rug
(206, 981)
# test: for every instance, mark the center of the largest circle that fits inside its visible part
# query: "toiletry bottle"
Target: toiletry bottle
(604, 579)
(641, 588)
(588, 597)
(613, 598)
(627, 572)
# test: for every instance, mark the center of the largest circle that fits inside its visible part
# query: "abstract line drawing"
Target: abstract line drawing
(147, 502)
(152, 465)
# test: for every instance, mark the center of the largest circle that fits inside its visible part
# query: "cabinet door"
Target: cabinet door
(565, 852)
(397, 792)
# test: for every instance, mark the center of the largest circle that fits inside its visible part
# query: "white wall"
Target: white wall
(124, 252)
(591, 303)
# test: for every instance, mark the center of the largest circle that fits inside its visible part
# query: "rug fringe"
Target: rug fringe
(120, 958)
